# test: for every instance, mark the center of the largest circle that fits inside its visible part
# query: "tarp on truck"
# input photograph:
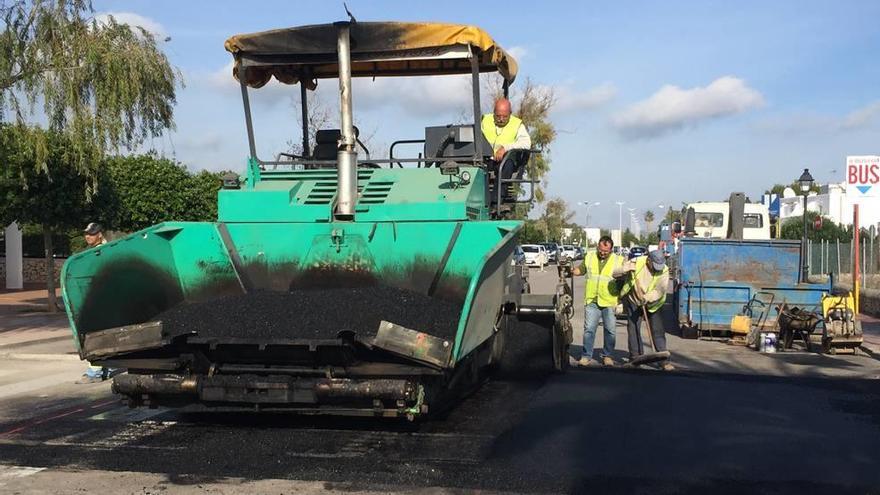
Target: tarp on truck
(377, 49)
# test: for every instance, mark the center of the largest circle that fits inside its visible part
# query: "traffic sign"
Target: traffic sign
(862, 176)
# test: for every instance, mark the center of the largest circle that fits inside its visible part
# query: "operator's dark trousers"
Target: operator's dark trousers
(634, 334)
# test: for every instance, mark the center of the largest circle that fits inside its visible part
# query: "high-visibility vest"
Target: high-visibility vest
(507, 135)
(601, 286)
(641, 263)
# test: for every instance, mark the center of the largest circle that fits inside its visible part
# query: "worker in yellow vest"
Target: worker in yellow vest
(600, 299)
(646, 280)
(504, 131)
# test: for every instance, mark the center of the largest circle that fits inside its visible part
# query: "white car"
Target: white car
(536, 255)
(568, 251)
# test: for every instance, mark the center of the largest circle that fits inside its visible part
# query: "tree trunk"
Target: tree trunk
(50, 269)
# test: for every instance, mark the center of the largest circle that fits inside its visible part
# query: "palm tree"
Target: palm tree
(649, 218)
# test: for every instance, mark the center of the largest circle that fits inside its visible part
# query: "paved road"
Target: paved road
(731, 421)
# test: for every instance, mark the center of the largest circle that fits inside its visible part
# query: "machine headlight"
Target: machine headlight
(465, 177)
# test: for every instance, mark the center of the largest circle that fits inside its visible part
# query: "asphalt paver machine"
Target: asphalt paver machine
(332, 282)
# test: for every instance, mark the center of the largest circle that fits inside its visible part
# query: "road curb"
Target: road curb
(39, 357)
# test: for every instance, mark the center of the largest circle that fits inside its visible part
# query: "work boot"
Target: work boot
(585, 362)
(607, 361)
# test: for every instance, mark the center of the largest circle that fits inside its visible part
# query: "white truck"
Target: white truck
(712, 220)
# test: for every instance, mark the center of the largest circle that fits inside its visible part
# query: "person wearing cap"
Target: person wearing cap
(94, 235)
(646, 280)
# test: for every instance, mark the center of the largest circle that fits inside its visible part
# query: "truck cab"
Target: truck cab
(712, 220)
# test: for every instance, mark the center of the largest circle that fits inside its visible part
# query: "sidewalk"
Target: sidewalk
(28, 331)
(871, 334)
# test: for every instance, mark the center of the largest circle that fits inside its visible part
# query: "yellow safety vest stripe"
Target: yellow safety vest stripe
(508, 132)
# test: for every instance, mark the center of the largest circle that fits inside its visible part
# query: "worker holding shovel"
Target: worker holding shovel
(645, 282)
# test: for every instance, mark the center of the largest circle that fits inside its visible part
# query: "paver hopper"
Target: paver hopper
(330, 284)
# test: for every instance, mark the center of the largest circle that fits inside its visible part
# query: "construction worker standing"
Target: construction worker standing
(600, 299)
(646, 280)
(504, 131)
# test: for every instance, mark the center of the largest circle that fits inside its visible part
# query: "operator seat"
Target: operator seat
(327, 145)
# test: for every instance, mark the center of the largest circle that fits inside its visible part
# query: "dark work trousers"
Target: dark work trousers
(634, 334)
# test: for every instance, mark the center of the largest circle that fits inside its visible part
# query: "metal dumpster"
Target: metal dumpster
(718, 277)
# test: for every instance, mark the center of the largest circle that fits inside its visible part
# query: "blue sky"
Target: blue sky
(657, 102)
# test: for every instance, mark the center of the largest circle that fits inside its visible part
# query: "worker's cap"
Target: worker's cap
(93, 228)
(657, 260)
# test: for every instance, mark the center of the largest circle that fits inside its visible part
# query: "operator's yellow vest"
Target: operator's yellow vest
(641, 263)
(601, 287)
(508, 132)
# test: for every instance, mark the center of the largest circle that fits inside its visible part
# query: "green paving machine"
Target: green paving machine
(434, 227)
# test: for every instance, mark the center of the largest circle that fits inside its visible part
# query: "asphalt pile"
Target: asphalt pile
(314, 314)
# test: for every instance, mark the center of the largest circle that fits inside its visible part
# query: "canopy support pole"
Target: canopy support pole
(475, 82)
(305, 116)
(252, 145)
(346, 154)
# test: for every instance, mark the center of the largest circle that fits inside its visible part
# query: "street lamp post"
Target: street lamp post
(806, 183)
(587, 204)
(620, 218)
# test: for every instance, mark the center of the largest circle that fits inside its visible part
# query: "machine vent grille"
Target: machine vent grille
(324, 189)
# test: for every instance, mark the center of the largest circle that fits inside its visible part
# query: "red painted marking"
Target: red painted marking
(40, 421)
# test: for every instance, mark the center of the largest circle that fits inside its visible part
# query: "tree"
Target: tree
(629, 239)
(53, 197)
(142, 190)
(649, 219)
(103, 85)
(779, 188)
(793, 228)
(672, 216)
(533, 107)
(556, 216)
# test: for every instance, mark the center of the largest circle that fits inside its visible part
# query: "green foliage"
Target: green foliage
(53, 197)
(533, 108)
(142, 190)
(556, 216)
(533, 232)
(793, 228)
(779, 188)
(672, 216)
(103, 85)
(629, 239)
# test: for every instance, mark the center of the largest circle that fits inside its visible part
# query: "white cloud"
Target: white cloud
(518, 52)
(571, 99)
(672, 108)
(133, 19)
(862, 117)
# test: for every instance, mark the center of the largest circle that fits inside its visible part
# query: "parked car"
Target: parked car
(519, 257)
(552, 251)
(568, 251)
(536, 255)
(580, 253)
(636, 251)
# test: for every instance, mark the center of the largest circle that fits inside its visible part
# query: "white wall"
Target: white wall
(14, 264)
(832, 202)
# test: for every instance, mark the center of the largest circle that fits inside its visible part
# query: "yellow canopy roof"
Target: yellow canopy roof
(377, 49)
